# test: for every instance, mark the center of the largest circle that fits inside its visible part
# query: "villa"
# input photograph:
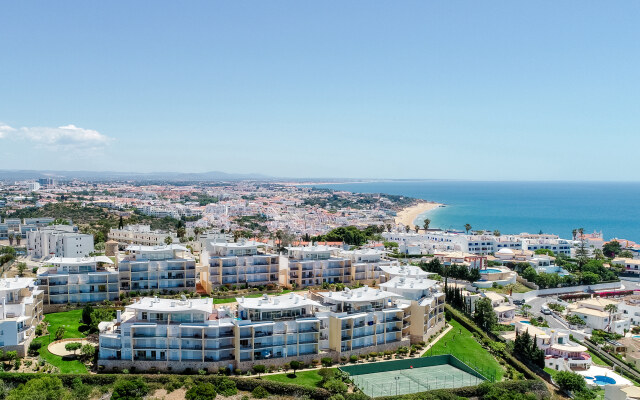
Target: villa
(595, 316)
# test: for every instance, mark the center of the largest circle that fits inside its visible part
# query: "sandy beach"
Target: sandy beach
(406, 216)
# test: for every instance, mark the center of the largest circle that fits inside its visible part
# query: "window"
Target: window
(144, 316)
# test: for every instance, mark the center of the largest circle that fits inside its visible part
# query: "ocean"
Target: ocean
(516, 207)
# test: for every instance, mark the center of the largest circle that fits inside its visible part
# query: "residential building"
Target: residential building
(58, 241)
(238, 264)
(366, 265)
(141, 234)
(389, 272)
(21, 313)
(595, 314)
(78, 280)
(314, 265)
(561, 354)
(163, 268)
(274, 329)
(631, 265)
(168, 334)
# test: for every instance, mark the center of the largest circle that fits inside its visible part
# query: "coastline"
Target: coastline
(407, 215)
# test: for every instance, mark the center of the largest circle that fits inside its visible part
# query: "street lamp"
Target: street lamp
(397, 378)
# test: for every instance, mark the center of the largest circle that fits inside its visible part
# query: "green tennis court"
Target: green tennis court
(412, 376)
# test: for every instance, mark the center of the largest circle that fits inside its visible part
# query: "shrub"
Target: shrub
(134, 389)
(335, 386)
(259, 369)
(201, 391)
(227, 387)
(353, 358)
(260, 393)
(327, 361)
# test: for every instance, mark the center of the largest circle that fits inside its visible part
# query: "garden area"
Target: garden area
(461, 343)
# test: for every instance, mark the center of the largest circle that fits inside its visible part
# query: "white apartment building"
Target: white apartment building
(141, 234)
(389, 272)
(21, 312)
(593, 312)
(167, 334)
(434, 241)
(58, 241)
(159, 268)
(238, 264)
(314, 265)
(78, 280)
(366, 265)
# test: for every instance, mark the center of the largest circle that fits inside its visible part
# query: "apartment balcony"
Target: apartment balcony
(192, 347)
(262, 333)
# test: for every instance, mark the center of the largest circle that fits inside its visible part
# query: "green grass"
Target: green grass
(597, 360)
(551, 371)
(518, 288)
(71, 322)
(466, 348)
(304, 378)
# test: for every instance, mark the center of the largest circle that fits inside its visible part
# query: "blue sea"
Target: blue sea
(516, 207)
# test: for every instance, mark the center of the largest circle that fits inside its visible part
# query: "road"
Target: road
(536, 304)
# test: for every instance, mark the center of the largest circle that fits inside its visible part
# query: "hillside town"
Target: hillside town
(234, 275)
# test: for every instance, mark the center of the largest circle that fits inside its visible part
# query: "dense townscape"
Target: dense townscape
(237, 283)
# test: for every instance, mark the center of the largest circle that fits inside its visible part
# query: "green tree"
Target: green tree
(73, 346)
(295, 365)
(99, 315)
(60, 333)
(611, 309)
(570, 381)
(41, 388)
(548, 252)
(496, 233)
(426, 223)
(21, 267)
(87, 352)
(467, 227)
(335, 386)
(86, 314)
(201, 391)
(484, 316)
(625, 254)
(259, 369)
(612, 248)
(130, 389)
(168, 240)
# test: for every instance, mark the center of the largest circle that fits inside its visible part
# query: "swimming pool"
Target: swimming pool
(525, 322)
(490, 271)
(604, 380)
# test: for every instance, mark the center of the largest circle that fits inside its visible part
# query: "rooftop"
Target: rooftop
(172, 305)
(78, 260)
(285, 301)
(407, 270)
(363, 294)
(410, 283)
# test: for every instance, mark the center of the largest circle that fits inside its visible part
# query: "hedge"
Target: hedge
(519, 366)
(537, 387)
(246, 384)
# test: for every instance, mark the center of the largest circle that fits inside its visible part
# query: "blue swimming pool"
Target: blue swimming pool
(604, 380)
(490, 271)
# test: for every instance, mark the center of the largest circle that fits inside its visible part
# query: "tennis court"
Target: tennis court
(412, 375)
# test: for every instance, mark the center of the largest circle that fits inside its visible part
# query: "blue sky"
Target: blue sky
(395, 89)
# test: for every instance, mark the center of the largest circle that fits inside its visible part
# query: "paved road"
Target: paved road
(629, 285)
(536, 303)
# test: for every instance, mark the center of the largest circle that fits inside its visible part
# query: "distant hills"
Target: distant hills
(18, 175)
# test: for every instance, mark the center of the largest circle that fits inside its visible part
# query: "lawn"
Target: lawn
(71, 322)
(460, 343)
(597, 360)
(304, 378)
(517, 288)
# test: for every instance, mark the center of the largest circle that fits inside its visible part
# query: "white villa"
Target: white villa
(593, 312)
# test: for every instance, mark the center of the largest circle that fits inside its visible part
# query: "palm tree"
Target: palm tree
(467, 227)
(168, 240)
(496, 233)
(426, 223)
(597, 254)
(611, 308)
(11, 239)
(407, 228)
(416, 228)
(573, 232)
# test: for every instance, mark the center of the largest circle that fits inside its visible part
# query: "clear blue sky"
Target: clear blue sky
(380, 89)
